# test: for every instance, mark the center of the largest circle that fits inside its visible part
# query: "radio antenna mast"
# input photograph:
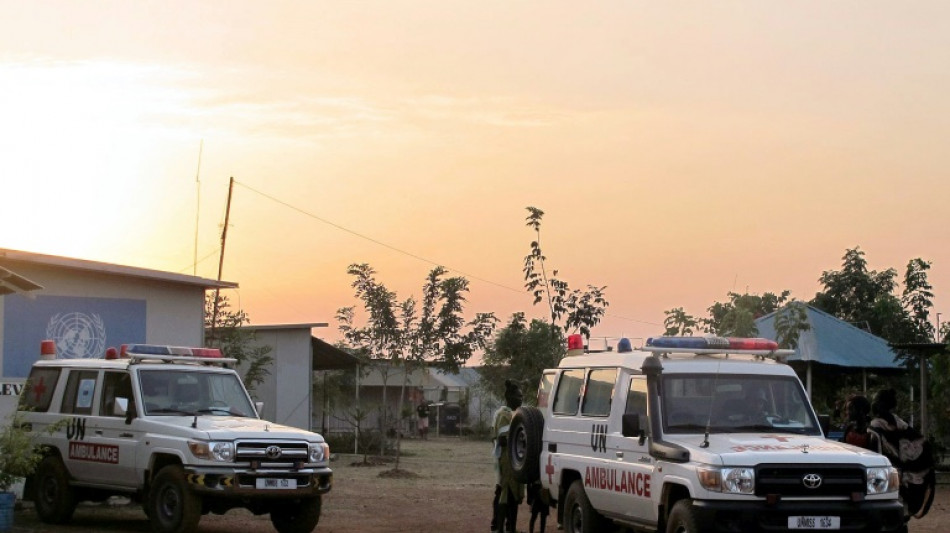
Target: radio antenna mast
(224, 238)
(194, 266)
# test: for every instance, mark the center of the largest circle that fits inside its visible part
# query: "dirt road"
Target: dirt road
(450, 492)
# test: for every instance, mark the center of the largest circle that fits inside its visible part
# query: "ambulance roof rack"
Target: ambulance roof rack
(137, 353)
(758, 347)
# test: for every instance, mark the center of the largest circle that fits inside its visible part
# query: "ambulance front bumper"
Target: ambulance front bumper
(744, 517)
(260, 483)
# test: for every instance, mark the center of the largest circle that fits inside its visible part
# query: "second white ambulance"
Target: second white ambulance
(693, 435)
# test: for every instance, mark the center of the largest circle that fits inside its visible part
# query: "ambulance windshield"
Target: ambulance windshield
(730, 403)
(186, 392)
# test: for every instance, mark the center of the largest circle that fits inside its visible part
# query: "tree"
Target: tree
(397, 337)
(863, 297)
(236, 341)
(678, 322)
(790, 321)
(736, 318)
(521, 352)
(579, 310)
(917, 299)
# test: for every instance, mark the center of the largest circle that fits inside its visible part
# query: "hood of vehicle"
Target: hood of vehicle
(233, 427)
(749, 449)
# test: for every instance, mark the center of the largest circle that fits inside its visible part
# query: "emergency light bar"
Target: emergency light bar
(716, 345)
(713, 343)
(156, 349)
(175, 354)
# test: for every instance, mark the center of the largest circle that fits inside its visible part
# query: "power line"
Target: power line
(401, 251)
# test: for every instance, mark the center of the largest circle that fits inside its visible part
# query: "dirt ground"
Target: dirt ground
(451, 492)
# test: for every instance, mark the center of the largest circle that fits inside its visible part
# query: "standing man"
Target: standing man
(422, 411)
(508, 492)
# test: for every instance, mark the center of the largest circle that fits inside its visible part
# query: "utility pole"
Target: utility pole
(224, 238)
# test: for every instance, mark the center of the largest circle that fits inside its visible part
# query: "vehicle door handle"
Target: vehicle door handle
(126, 435)
(619, 455)
(99, 432)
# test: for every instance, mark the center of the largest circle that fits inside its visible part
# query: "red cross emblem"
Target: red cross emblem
(38, 390)
(549, 470)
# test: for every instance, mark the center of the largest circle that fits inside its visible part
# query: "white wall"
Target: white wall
(174, 312)
(286, 391)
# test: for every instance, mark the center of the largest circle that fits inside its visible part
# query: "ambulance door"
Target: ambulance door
(112, 435)
(599, 476)
(77, 409)
(631, 462)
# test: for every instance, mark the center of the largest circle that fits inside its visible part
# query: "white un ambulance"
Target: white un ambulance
(693, 435)
(173, 428)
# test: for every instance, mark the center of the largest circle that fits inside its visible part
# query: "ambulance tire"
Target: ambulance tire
(172, 508)
(296, 516)
(683, 519)
(524, 444)
(579, 515)
(54, 499)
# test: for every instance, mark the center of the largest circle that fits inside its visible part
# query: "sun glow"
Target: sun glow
(86, 134)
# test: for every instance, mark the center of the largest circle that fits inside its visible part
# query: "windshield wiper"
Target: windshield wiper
(756, 427)
(226, 410)
(690, 425)
(170, 410)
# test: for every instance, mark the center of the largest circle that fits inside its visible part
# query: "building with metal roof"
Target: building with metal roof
(831, 341)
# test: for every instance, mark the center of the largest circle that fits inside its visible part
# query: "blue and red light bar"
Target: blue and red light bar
(712, 343)
(180, 351)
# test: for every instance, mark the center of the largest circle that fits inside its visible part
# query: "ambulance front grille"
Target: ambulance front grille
(272, 453)
(810, 480)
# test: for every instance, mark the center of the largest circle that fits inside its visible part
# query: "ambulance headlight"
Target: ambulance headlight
(212, 450)
(728, 480)
(882, 480)
(319, 452)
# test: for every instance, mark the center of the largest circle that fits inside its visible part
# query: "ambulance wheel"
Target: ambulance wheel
(579, 515)
(524, 444)
(54, 499)
(683, 518)
(296, 516)
(172, 508)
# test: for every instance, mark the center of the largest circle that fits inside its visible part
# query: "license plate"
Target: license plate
(276, 483)
(814, 522)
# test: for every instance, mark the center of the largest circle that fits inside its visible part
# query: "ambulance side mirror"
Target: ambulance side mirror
(824, 421)
(120, 407)
(260, 408)
(632, 425)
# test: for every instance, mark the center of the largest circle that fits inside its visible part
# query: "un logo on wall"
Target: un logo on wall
(77, 335)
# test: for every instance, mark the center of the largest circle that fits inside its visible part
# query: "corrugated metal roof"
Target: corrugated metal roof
(832, 341)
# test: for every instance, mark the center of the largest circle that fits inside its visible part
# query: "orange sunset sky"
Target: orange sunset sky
(680, 150)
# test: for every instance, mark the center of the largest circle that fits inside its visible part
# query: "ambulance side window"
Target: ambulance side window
(637, 396)
(568, 396)
(599, 392)
(544, 390)
(38, 393)
(80, 389)
(115, 385)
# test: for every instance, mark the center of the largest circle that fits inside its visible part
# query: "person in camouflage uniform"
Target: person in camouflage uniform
(508, 492)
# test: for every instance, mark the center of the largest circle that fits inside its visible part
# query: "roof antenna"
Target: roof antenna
(194, 267)
(712, 401)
